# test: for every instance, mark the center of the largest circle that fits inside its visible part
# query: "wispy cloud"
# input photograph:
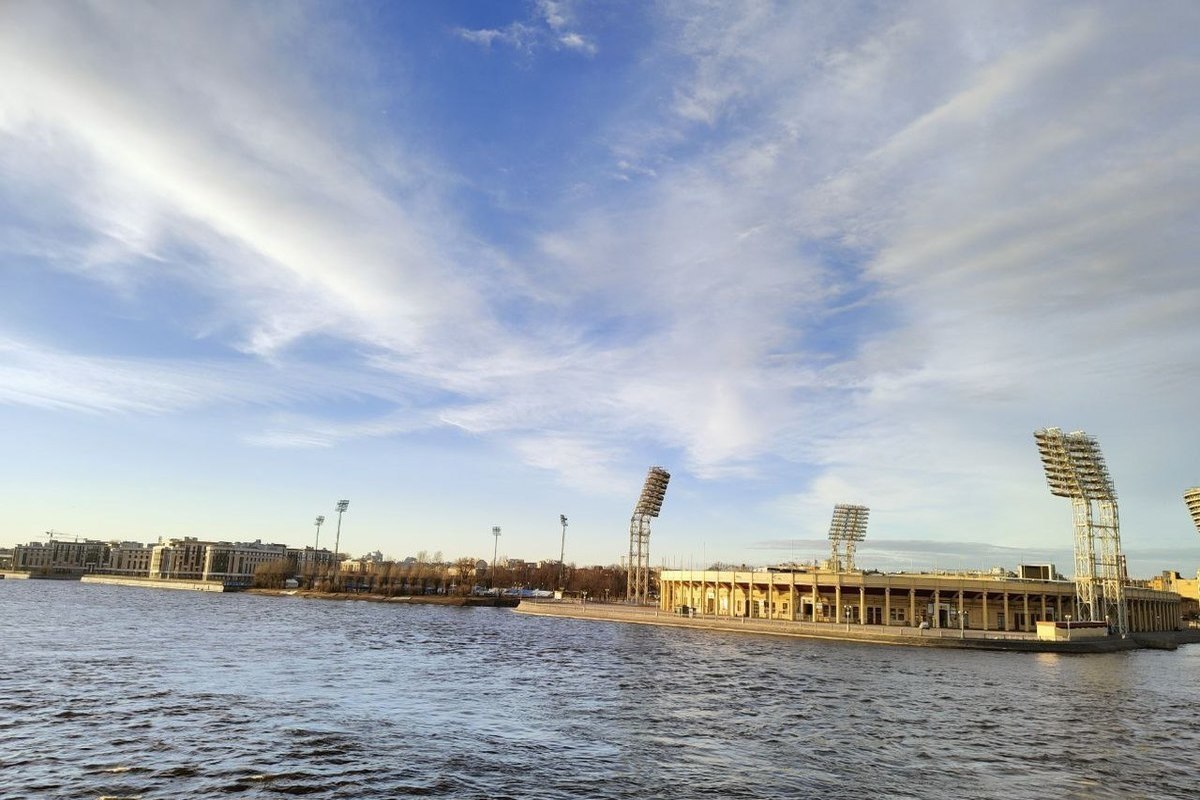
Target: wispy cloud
(550, 25)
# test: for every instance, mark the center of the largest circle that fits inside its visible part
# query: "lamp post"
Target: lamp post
(342, 505)
(317, 545)
(562, 551)
(495, 549)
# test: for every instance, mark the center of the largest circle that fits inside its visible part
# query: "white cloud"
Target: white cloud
(549, 24)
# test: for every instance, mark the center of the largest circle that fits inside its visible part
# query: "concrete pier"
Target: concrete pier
(155, 583)
(888, 635)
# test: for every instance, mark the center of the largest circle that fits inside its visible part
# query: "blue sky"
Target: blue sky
(474, 264)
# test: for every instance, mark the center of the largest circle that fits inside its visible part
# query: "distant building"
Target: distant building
(131, 559)
(190, 558)
(1186, 588)
(63, 558)
(308, 561)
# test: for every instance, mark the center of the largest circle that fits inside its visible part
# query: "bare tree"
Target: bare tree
(465, 567)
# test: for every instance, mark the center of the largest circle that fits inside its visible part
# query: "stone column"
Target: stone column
(1025, 606)
(912, 607)
(887, 605)
(862, 605)
(1007, 615)
(837, 600)
(987, 626)
(937, 608)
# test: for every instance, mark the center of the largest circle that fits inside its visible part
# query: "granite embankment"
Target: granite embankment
(888, 635)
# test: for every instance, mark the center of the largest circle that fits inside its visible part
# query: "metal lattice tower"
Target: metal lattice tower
(846, 530)
(637, 579)
(1192, 498)
(1075, 469)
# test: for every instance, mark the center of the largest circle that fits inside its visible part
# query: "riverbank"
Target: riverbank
(469, 601)
(869, 634)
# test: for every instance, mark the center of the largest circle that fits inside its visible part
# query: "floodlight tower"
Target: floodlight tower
(495, 549)
(1075, 469)
(637, 578)
(1192, 498)
(846, 530)
(562, 550)
(342, 505)
(317, 544)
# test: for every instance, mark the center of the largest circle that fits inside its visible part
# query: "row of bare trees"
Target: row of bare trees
(431, 575)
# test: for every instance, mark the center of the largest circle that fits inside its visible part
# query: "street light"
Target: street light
(562, 551)
(317, 544)
(342, 505)
(495, 549)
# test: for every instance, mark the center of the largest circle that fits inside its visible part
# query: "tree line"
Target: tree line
(426, 574)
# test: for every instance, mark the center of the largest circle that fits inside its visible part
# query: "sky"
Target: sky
(472, 264)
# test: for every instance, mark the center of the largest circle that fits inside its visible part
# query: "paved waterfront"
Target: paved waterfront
(121, 692)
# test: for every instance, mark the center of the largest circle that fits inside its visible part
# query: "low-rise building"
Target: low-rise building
(1186, 588)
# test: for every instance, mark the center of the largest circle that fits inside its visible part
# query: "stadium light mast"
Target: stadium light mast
(317, 544)
(495, 549)
(562, 550)
(1192, 498)
(1075, 469)
(847, 528)
(342, 505)
(649, 504)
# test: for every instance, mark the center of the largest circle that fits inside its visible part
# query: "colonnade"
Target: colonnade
(988, 604)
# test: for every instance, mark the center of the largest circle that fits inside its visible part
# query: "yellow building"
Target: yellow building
(1186, 588)
(961, 601)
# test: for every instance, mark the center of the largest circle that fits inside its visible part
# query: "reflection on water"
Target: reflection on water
(109, 691)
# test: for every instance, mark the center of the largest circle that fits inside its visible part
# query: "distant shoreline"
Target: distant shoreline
(467, 601)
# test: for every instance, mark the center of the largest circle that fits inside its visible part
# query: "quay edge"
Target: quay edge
(909, 637)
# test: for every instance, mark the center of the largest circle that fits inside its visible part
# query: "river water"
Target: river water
(123, 692)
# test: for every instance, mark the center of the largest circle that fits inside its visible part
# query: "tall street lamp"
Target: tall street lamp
(562, 550)
(495, 549)
(342, 505)
(317, 544)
